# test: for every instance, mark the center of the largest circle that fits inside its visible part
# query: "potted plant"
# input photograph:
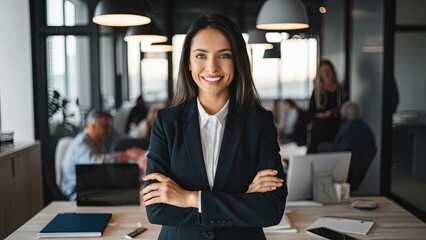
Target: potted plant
(58, 104)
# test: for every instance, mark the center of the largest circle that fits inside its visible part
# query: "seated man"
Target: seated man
(88, 148)
(355, 136)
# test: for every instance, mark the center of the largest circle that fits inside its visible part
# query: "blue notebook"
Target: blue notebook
(76, 225)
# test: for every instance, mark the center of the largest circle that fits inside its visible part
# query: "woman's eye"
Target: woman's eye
(200, 56)
(225, 55)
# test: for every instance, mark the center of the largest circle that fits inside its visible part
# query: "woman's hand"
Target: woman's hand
(167, 191)
(265, 181)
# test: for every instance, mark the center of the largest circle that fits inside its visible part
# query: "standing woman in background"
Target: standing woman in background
(214, 169)
(324, 108)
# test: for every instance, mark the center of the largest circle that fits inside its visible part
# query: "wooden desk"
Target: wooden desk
(392, 222)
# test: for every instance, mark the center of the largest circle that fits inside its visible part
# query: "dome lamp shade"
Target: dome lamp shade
(282, 15)
(121, 13)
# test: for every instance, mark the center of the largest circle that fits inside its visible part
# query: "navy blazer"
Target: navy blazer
(249, 145)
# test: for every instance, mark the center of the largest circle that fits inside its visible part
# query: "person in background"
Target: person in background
(143, 129)
(88, 148)
(324, 107)
(293, 126)
(355, 136)
(214, 168)
(137, 113)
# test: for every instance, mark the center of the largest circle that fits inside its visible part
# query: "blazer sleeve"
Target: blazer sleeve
(250, 209)
(159, 162)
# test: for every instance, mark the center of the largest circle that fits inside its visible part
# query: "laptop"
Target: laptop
(107, 184)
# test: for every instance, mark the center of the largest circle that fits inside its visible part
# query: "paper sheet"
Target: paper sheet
(284, 226)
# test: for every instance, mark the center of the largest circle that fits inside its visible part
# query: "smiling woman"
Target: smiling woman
(198, 147)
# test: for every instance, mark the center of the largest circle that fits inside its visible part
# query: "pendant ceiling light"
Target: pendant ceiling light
(282, 15)
(160, 47)
(258, 38)
(149, 33)
(121, 13)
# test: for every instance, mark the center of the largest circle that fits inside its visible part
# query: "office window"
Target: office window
(68, 82)
(134, 70)
(66, 13)
(154, 77)
(107, 72)
(289, 77)
(147, 77)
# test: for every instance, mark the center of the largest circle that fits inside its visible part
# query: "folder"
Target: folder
(76, 225)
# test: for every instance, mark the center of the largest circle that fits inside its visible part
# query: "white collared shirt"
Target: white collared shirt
(211, 131)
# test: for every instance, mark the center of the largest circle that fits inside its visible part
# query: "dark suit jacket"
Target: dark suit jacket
(249, 145)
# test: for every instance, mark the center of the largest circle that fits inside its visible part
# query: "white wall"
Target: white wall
(16, 91)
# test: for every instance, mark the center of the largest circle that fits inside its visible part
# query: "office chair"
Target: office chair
(61, 148)
(52, 174)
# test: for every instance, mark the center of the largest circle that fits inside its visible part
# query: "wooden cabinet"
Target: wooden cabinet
(21, 192)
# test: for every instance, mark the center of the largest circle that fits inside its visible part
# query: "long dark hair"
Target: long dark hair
(242, 86)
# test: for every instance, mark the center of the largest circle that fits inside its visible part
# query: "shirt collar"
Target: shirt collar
(204, 116)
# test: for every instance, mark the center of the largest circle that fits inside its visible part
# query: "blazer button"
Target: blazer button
(223, 223)
(209, 235)
(229, 223)
(212, 222)
(218, 222)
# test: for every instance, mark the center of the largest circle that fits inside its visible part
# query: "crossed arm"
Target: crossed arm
(169, 192)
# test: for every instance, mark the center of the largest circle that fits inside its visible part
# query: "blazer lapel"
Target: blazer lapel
(230, 143)
(192, 141)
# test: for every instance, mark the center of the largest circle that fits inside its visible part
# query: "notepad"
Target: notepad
(76, 225)
(344, 225)
(285, 226)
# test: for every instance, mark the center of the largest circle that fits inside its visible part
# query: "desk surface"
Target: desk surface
(391, 221)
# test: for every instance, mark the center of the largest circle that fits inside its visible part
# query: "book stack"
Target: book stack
(6, 137)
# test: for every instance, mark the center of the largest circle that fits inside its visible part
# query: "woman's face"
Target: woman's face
(326, 72)
(211, 63)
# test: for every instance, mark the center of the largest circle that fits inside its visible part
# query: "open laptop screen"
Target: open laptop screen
(107, 184)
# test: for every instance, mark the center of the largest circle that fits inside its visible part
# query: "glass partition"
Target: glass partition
(408, 175)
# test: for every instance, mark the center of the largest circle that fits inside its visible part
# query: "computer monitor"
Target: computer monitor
(107, 184)
(302, 168)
